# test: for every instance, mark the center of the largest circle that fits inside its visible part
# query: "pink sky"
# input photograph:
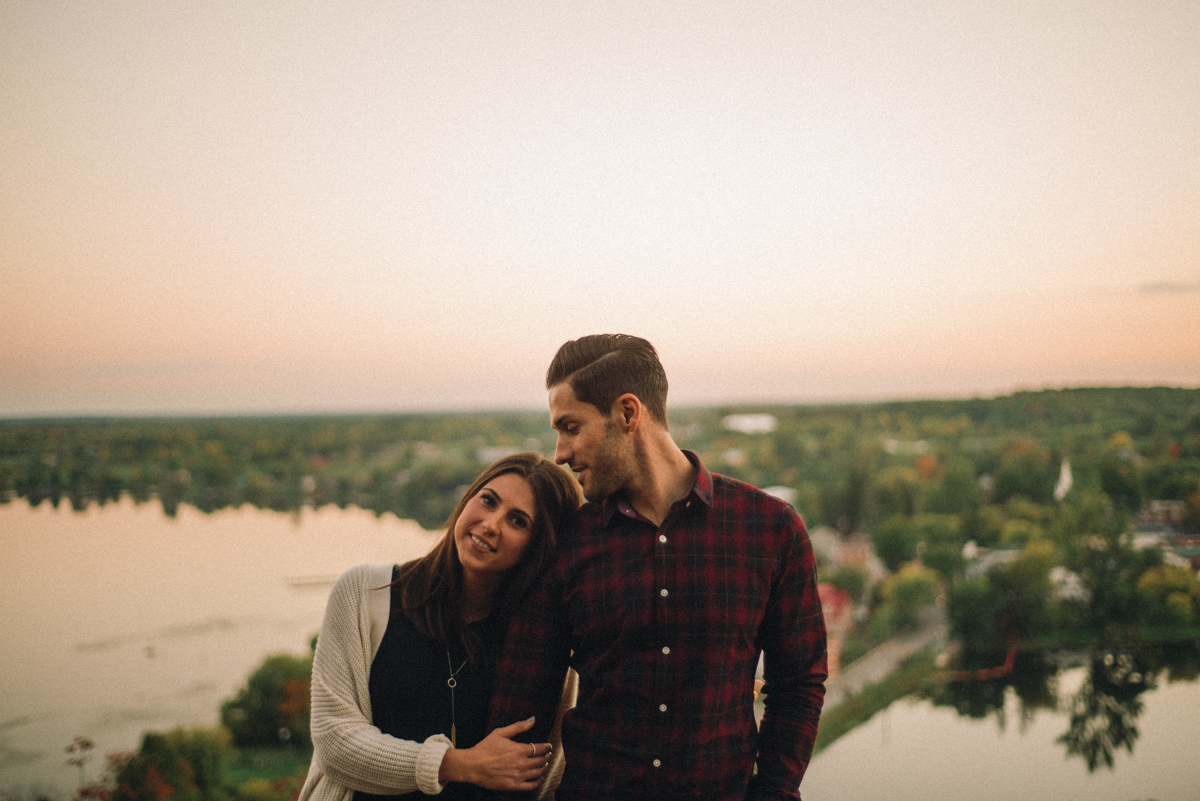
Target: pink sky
(392, 206)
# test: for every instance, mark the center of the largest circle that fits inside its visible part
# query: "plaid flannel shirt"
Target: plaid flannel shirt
(665, 626)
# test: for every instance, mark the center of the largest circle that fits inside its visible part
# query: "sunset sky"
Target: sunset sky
(300, 207)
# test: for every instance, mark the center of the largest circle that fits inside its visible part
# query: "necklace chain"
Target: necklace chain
(452, 683)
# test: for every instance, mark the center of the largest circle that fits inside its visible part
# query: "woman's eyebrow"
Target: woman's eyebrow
(500, 498)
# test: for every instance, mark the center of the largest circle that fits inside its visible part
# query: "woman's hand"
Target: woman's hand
(498, 762)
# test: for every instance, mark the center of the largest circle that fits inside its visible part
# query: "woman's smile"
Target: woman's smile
(481, 545)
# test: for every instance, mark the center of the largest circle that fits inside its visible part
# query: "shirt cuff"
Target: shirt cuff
(429, 762)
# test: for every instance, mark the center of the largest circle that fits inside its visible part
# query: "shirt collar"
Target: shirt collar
(702, 491)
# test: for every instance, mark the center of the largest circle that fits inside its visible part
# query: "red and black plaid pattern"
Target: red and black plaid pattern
(665, 626)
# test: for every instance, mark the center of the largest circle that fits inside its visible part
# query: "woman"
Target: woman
(399, 700)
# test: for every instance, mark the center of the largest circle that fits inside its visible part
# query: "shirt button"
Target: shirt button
(663, 592)
(687, 505)
(662, 707)
(666, 649)
(657, 763)
(662, 537)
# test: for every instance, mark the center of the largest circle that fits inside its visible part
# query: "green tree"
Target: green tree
(898, 491)
(273, 708)
(184, 764)
(905, 594)
(1010, 602)
(850, 579)
(983, 525)
(1171, 480)
(941, 543)
(1172, 593)
(1120, 481)
(1027, 471)
(1093, 537)
(895, 541)
(973, 608)
(1024, 587)
(956, 491)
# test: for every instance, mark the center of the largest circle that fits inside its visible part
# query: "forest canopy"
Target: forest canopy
(849, 466)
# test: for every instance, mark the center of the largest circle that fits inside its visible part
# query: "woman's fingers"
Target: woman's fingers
(540, 750)
(502, 763)
(513, 729)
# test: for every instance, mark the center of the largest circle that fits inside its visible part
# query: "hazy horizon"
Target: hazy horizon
(764, 405)
(408, 206)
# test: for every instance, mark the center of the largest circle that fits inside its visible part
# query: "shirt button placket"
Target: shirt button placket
(663, 593)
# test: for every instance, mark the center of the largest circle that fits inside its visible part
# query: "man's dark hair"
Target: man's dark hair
(603, 367)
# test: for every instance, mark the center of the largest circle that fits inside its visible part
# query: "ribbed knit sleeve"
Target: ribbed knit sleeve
(349, 753)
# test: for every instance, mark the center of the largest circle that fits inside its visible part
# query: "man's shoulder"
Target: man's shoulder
(727, 488)
(756, 509)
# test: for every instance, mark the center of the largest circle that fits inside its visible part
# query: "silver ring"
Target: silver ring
(534, 747)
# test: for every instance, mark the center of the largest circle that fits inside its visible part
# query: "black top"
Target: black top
(410, 698)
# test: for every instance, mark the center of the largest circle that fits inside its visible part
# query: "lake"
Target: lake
(119, 620)
(916, 750)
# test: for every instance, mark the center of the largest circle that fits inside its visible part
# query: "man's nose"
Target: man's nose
(561, 454)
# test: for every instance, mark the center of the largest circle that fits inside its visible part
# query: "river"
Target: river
(916, 750)
(119, 620)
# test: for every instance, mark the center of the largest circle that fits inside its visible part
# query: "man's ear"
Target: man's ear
(627, 411)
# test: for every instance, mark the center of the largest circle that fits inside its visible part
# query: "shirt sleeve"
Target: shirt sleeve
(794, 669)
(533, 662)
(346, 746)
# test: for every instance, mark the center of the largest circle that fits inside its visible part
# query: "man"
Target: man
(667, 588)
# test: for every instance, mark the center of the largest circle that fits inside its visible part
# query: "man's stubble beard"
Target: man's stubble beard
(612, 467)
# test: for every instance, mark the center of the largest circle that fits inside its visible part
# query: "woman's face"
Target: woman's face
(495, 526)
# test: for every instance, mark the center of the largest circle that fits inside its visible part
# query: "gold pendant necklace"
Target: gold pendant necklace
(452, 683)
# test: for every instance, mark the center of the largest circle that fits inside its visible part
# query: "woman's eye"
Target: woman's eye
(520, 522)
(488, 500)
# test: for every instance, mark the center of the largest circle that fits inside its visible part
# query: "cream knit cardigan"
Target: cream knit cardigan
(349, 753)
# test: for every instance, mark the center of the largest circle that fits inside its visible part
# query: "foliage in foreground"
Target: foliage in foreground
(198, 764)
(267, 721)
(273, 708)
(184, 764)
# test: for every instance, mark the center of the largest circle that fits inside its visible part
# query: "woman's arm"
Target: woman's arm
(346, 746)
(356, 754)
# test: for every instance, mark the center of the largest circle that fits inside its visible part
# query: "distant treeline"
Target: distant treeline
(846, 465)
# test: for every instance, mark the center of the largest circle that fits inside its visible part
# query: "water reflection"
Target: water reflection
(1102, 712)
(121, 620)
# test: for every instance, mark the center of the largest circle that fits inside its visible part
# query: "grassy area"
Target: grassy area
(858, 642)
(267, 764)
(858, 709)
